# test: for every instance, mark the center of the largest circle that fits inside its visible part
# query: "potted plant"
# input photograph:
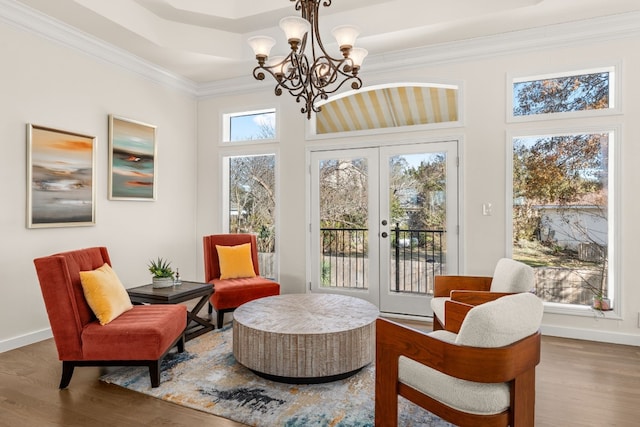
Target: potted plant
(162, 273)
(600, 302)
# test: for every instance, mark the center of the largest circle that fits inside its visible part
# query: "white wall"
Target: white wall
(44, 83)
(484, 166)
(47, 84)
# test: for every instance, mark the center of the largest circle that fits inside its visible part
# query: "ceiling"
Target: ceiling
(205, 40)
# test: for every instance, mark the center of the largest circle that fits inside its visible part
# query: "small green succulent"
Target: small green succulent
(160, 268)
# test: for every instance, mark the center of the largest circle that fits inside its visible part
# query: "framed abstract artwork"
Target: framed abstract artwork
(60, 178)
(132, 160)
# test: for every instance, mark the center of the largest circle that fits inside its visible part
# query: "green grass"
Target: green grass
(536, 254)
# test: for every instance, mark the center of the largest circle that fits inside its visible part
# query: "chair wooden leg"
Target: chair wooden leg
(523, 395)
(154, 372)
(67, 372)
(386, 390)
(220, 320)
(210, 309)
(181, 344)
(437, 324)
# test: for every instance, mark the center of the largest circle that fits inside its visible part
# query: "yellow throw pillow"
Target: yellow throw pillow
(105, 294)
(235, 261)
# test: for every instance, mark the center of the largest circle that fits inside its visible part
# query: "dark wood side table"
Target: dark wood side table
(186, 291)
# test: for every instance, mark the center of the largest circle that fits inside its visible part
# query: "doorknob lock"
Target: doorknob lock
(384, 222)
(384, 234)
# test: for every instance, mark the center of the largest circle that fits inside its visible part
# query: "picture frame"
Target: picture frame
(132, 160)
(60, 178)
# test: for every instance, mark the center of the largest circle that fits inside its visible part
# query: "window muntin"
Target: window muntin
(563, 94)
(562, 213)
(250, 126)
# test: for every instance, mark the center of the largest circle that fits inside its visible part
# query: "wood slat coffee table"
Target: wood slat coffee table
(305, 338)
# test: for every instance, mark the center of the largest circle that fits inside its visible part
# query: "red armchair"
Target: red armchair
(230, 294)
(141, 336)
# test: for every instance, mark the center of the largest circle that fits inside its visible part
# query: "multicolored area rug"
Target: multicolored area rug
(207, 377)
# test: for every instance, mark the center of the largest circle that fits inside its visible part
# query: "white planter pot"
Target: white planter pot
(162, 282)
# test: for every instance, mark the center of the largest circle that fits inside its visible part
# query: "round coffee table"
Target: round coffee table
(305, 338)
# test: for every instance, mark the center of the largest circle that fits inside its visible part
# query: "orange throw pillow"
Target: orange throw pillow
(235, 261)
(105, 294)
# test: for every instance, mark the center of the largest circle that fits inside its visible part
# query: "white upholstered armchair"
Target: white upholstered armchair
(509, 277)
(479, 371)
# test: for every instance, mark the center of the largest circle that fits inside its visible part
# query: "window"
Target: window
(389, 107)
(575, 93)
(250, 203)
(563, 198)
(562, 213)
(253, 126)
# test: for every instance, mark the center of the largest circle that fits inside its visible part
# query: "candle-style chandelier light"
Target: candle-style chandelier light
(309, 76)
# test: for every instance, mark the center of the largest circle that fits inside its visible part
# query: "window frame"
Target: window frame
(228, 115)
(615, 77)
(614, 211)
(246, 151)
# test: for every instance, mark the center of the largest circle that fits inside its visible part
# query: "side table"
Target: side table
(186, 291)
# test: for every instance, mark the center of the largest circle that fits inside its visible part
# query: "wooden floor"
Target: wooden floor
(579, 383)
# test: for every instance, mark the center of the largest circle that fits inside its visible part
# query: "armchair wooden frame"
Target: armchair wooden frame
(472, 290)
(514, 364)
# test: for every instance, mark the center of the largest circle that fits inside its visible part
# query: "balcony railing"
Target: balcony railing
(417, 256)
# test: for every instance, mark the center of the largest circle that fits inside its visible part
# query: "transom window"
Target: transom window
(250, 126)
(388, 107)
(576, 93)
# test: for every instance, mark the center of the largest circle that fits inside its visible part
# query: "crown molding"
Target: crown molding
(551, 36)
(25, 18)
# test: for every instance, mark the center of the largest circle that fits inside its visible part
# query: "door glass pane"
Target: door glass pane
(343, 185)
(417, 198)
(561, 214)
(252, 204)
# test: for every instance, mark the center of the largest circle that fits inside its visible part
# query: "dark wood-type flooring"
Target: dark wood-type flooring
(579, 383)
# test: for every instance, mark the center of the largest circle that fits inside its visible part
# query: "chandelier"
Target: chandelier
(310, 75)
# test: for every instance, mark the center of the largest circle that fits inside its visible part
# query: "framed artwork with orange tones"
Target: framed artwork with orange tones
(132, 160)
(60, 178)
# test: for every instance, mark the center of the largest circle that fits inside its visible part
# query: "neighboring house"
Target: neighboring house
(580, 228)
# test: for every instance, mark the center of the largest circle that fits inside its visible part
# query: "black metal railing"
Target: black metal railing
(417, 257)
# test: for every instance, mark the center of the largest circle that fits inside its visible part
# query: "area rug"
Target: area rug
(207, 377)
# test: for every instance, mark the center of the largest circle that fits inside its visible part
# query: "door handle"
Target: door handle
(384, 234)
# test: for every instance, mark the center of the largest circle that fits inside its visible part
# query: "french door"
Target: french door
(384, 223)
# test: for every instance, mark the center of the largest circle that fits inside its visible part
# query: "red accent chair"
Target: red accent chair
(141, 336)
(230, 294)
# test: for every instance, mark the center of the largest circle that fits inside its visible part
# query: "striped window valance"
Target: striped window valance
(384, 107)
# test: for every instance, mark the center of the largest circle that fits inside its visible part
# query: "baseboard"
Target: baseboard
(27, 339)
(591, 335)
(425, 319)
